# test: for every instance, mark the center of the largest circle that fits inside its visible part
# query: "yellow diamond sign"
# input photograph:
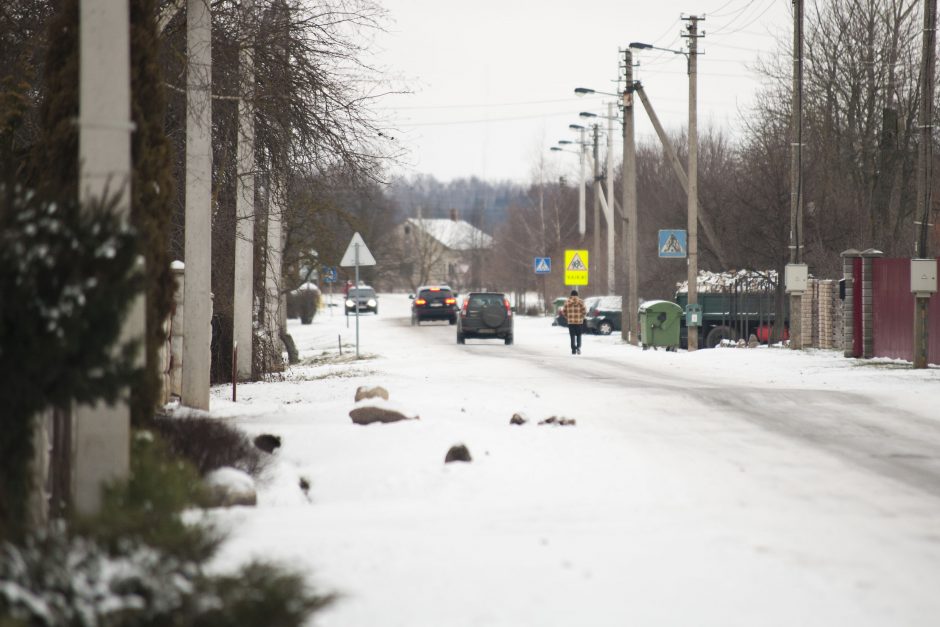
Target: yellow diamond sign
(576, 267)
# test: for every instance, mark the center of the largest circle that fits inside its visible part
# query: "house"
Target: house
(441, 250)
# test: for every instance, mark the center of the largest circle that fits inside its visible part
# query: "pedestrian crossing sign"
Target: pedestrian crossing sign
(543, 265)
(673, 243)
(576, 267)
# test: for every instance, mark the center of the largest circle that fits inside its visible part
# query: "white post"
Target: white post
(356, 300)
(245, 213)
(609, 212)
(272, 275)
(101, 433)
(197, 333)
(581, 191)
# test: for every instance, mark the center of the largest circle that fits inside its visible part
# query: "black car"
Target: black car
(364, 297)
(604, 315)
(434, 302)
(485, 315)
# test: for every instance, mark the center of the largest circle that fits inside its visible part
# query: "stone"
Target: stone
(267, 442)
(228, 487)
(559, 421)
(368, 415)
(517, 419)
(458, 453)
(752, 341)
(371, 392)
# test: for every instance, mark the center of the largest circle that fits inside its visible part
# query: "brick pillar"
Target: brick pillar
(848, 305)
(867, 320)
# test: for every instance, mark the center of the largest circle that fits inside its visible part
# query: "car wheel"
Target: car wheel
(461, 339)
(306, 319)
(453, 320)
(508, 339)
(605, 328)
(716, 335)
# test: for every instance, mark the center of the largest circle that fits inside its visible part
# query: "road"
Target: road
(725, 487)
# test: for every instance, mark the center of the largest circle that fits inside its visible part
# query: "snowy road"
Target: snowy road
(724, 487)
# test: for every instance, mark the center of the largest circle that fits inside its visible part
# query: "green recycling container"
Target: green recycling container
(660, 321)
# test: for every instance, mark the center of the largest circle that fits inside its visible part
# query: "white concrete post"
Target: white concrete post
(272, 275)
(198, 235)
(609, 211)
(245, 212)
(101, 433)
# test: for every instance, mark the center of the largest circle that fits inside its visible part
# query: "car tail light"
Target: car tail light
(450, 301)
(508, 308)
(465, 304)
(420, 301)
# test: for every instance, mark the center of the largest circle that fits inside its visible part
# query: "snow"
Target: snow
(721, 487)
(231, 480)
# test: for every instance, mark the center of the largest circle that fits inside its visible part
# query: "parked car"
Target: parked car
(604, 315)
(363, 296)
(558, 306)
(433, 302)
(485, 315)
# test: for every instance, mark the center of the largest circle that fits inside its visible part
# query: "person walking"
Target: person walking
(574, 313)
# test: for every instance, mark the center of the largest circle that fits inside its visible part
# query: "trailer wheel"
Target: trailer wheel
(717, 334)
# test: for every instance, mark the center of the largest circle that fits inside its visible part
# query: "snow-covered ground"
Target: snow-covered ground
(722, 487)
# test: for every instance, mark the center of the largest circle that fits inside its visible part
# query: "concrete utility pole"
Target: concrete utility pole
(693, 172)
(609, 205)
(101, 433)
(796, 174)
(242, 305)
(197, 288)
(582, 226)
(925, 174)
(631, 301)
(596, 253)
(273, 257)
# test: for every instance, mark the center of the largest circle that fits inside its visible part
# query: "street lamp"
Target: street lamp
(692, 168)
(609, 201)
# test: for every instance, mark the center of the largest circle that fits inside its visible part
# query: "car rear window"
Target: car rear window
(482, 300)
(441, 293)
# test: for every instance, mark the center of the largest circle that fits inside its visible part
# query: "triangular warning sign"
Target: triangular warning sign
(357, 253)
(542, 266)
(576, 264)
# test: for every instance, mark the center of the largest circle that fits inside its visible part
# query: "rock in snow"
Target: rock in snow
(364, 392)
(458, 453)
(230, 486)
(267, 442)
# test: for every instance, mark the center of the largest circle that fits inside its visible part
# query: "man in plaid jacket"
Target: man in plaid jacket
(574, 313)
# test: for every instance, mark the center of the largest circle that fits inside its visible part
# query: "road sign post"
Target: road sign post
(357, 254)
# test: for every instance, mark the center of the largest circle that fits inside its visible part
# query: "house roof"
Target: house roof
(454, 234)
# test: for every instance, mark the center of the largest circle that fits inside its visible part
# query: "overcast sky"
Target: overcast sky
(493, 82)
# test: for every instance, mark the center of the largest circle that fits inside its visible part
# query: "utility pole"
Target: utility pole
(100, 443)
(796, 175)
(582, 143)
(243, 300)
(631, 304)
(609, 212)
(693, 37)
(198, 222)
(595, 254)
(925, 175)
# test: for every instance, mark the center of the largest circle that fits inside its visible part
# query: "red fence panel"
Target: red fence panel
(893, 312)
